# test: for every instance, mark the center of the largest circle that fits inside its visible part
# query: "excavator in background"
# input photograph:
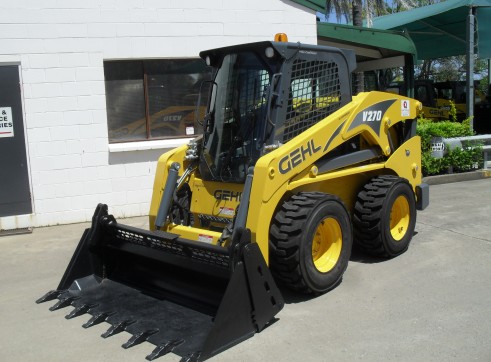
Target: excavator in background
(434, 108)
(455, 91)
(290, 171)
(437, 97)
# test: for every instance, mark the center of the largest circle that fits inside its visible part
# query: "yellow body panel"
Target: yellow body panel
(161, 173)
(215, 198)
(194, 233)
(406, 161)
(292, 167)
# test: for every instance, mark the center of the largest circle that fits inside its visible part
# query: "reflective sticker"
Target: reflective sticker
(227, 211)
(205, 238)
(405, 111)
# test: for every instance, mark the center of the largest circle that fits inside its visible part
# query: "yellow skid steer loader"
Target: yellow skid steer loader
(290, 170)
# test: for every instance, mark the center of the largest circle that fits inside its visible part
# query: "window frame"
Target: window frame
(146, 72)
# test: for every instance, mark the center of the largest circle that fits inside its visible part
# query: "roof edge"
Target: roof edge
(317, 5)
(388, 39)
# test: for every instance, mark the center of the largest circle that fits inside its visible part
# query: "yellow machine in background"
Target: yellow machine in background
(171, 121)
(290, 171)
(437, 98)
(455, 92)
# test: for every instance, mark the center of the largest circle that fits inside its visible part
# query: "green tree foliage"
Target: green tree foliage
(448, 69)
(343, 9)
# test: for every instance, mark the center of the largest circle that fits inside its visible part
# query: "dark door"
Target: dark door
(15, 197)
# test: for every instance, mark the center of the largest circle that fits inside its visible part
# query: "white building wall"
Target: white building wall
(60, 46)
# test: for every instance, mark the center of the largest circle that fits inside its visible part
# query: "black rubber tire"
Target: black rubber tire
(372, 216)
(291, 237)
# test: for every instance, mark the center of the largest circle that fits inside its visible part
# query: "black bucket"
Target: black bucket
(183, 296)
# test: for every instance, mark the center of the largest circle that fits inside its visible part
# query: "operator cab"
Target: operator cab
(264, 94)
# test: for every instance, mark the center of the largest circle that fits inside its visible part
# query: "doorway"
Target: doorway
(15, 195)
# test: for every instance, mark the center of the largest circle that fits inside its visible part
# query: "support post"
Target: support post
(489, 74)
(409, 75)
(358, 21)
(470, 66)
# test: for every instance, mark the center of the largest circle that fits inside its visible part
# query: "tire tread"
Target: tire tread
(368, 215)
(285, 233)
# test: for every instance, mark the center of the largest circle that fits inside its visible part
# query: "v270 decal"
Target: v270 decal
(372, 116)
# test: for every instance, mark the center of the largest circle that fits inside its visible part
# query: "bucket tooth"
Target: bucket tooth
(163, 349)
(139, 338)
(51, 295)
(78, 311)
(97, 319)
(117, 328)
(62, 303)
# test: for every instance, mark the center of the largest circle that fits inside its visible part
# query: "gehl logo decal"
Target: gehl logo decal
(227, 195)
(297, 156)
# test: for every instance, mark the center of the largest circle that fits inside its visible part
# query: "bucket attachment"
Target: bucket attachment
(190, 298)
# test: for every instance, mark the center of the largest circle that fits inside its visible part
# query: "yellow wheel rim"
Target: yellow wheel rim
(326, 244)
(399, 218)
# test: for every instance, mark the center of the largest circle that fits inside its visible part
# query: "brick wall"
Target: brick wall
(61, 45)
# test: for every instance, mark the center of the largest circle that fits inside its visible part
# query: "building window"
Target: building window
(153, 99)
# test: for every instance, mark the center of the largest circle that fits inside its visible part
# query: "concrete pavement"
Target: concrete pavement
(432, 303)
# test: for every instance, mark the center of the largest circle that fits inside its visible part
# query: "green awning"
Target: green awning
(439, 30)
(374, 48)
(317, 5)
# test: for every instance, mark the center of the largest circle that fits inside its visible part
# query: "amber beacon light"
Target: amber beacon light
(281, 37)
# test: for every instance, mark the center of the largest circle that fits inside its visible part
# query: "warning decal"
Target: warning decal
(205, 238)
(227, 211)
(6, 122)
(405, 111)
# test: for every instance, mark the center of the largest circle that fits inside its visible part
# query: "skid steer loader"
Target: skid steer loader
(289, 170)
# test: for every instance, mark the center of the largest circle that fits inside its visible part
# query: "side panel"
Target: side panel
(345, 183)
(217, 199)
(406, 161)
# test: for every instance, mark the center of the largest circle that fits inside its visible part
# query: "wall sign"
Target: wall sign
(6, 122)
